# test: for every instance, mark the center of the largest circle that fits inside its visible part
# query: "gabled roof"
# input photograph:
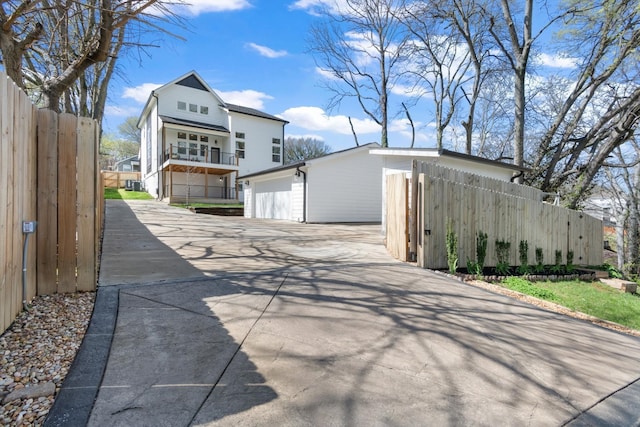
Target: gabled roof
(191, 123)
(194, 81)
(253, 112)
(310, 162)
(434, 152)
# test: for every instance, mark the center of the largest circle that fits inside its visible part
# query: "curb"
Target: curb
(73, 404)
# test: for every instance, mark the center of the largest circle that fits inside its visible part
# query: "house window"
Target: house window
(182, 105)
(182, 135)
(275, 150)
(182, 147)
(204, 138)
(240, 135)
(204, 109)
(193, 149)
(240, 149)
(193, 137)
(193, 108)
(203, 150)
(240, 186)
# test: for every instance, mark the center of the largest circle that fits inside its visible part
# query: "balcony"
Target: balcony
(204, 160)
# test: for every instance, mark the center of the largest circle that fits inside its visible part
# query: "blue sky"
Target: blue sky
(254, 53)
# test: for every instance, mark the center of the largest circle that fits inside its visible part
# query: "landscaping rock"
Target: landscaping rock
(32, 391)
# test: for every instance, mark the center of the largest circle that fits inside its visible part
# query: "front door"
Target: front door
(215, 155)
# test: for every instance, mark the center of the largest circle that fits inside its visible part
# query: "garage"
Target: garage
(273, 198)
(344, 186)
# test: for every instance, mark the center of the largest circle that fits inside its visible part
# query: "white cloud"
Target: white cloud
(557, 61)
(267, 51)
(305, 136)
(316, 119)
(197, 7)
(141, 92)
(117, 111)
(246, 98)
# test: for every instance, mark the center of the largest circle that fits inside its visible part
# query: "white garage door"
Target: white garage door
(273, 199)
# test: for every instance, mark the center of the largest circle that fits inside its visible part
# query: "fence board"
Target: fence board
(397, 219)
(5, 163)
(39, 181)
(47, 234)
(86, 215)
(12, 240)
(503, 217)
(67, 202)
(118, 179)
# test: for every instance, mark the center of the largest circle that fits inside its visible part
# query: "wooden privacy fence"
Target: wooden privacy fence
(117, 179)
(502, 210)
(48, 174)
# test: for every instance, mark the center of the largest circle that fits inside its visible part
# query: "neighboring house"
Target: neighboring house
(194, 145)
(130, 164)
(339, 187)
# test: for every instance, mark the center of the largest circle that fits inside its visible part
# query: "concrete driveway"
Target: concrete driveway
(228, 321)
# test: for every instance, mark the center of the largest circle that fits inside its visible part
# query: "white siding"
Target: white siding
(249, 211)
(273, 198)
(345, 188)
(259, 133)
(168, 105)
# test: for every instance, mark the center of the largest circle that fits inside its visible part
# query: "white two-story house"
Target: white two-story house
(194, 145)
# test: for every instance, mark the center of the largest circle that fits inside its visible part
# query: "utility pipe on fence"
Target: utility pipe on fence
(28, 228)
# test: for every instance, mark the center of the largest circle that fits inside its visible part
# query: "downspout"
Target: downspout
(304, 192)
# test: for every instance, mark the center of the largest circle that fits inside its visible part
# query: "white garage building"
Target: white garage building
(340, 187)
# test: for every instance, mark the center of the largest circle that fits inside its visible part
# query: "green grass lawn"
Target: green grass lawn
(121, 193)
(593, 298)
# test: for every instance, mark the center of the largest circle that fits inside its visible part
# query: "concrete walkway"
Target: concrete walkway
(204, 320)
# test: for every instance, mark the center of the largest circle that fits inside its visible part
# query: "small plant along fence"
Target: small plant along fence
(48, 174)
(513, 218)
(117, 179)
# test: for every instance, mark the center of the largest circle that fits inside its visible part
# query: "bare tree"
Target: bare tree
(622, 188)
(516, 48)
(360, 43)
(50, 46)
(300, 149)
(601, 106)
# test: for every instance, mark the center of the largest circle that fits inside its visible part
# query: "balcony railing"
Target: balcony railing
(201, 191)
(210, 156)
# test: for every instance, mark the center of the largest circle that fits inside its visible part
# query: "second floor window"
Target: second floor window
(275, 150)
(240, 149)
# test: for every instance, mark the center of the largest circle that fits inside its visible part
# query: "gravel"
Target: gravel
(36, 353)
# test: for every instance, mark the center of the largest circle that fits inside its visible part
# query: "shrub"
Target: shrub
(539, 261)
(558, 267)
(452, 247)
(523, 251)
(502, 255)
(570, 266)
(481, 249)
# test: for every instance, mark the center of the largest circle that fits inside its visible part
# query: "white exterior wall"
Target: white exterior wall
(259, 133)
(168, 105)
(149, 170)
(345, 188)
(249, 211)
